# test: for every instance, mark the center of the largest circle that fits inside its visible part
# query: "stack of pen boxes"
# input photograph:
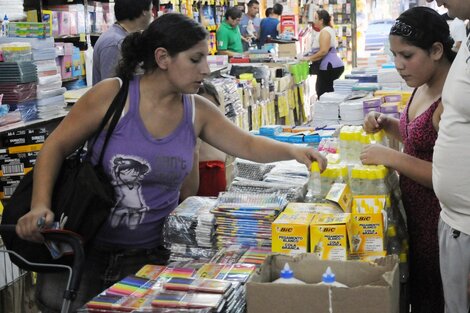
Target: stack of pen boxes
(18, 156)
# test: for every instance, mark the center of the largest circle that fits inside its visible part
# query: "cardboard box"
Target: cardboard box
(291, 49)
(341, 194)
(374, 287)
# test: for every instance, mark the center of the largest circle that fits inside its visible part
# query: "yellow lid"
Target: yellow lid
(371, 174)
(246, 76)
(403, 257)
(343, 135)
(326, 172)
(379, 136)
(314, 167)
(391, 231)
(364, 138)
(356, 172)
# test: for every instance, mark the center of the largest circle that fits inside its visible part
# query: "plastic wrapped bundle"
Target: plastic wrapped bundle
(191, 223)
(180, 253)
(290, 191)
(251, 170)
(245, 218)
(291, 172)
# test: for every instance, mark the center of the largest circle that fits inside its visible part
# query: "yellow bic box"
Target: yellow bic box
(341, 195)
(328, 236)
(290, 233)
(366, 233)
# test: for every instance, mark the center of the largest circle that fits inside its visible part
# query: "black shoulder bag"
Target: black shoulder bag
(82, 192)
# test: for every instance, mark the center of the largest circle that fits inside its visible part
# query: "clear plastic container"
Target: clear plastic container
(287, 277)
(314, 184)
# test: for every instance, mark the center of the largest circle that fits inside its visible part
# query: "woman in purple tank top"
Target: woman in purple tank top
(324, 51)
(422, 47)
(149, 154)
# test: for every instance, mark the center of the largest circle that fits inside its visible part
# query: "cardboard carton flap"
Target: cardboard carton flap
(373, 287)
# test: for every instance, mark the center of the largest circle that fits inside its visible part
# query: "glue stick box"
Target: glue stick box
(328, 236)
(290, 233)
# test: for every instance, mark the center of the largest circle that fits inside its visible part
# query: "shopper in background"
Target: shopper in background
(451, 173)
(229, 38)
(268, 12)
(152, 147)
(208, 175)
(156, 9)
(457, 32)
(249, 25)
(422, 47)
(331, 66)
(131, 16)
(269, 25)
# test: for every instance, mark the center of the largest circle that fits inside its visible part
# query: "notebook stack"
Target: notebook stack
(18, 84)
(245, 218)
(190, 230)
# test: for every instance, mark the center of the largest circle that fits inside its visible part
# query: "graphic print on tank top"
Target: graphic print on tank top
(130, 208)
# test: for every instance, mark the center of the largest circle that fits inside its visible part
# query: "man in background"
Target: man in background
(131, 16)
(249, 25)
(229, 39)
(270, 25)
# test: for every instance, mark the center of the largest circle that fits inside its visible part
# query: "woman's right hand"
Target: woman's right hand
(29, 225)
(374, 122)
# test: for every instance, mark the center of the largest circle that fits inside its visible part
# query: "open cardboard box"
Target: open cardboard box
(373, 287)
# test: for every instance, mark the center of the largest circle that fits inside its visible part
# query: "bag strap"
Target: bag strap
(114, 111)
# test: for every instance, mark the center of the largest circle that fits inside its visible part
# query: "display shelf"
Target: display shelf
(74, 37)
(36, 122)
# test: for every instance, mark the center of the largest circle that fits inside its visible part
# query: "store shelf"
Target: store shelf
(37, 122)
(74, 37)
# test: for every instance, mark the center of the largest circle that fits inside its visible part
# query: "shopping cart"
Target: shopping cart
(59, 236)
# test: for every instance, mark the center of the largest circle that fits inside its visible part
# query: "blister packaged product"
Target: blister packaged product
(251, 170)
(289, 191)
(191, 223)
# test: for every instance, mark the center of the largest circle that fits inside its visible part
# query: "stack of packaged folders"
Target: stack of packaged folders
(344, 86)
(245, 218)
(238, 274)
(326, 110)
(154, 288)
(18, 84)
(190, 229)
(351, 112)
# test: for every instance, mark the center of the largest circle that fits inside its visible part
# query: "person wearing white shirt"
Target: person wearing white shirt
(457, 32)
(451, 173)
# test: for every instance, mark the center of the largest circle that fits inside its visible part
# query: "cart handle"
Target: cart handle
(75, 241)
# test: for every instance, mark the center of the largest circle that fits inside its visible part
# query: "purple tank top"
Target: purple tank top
(147, 174)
